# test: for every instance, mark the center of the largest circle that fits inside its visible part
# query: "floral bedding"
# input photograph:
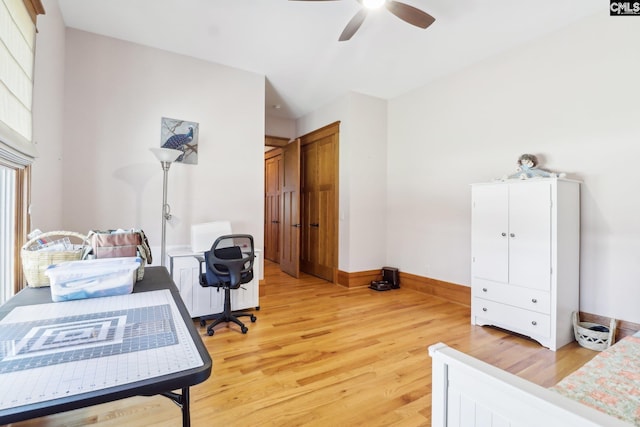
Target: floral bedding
(610, 382)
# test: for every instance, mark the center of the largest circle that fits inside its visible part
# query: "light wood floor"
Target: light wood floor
(323, 355)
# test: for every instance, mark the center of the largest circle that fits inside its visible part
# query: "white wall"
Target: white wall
(571, 98)
(48, 135)
(116, 94)
(277, 126)
(362, 162)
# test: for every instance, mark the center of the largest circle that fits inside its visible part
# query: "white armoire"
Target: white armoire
(525, 244)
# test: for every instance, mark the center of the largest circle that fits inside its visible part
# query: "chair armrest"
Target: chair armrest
(201, 262)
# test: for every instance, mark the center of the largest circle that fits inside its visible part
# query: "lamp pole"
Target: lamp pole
(166, 157)
(166, 211)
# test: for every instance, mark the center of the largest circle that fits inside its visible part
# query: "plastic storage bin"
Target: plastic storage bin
(92, 278)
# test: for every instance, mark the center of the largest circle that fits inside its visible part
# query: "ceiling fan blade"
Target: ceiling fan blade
(353, 25)
(409, 14)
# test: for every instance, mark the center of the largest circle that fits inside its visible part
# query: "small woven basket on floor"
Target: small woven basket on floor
(34, 263)
(591, 339)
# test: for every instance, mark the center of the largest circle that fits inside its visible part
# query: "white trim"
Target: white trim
(7, 235)
(17, 41)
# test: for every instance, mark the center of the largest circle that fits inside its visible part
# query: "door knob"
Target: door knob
(296, 225)
(484, 308)
(534, 323)
(275, 222)
(504, 234)
(512, 235)
(314, 224)
(533, 300)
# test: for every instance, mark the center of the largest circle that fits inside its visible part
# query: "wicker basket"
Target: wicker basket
(593, 340)
(34, 263)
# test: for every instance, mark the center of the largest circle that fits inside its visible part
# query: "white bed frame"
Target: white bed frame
(467, 392)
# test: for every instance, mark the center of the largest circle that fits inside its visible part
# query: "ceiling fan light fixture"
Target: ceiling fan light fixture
(373, 4)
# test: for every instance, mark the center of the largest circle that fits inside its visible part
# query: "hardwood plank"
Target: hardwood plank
(321, 354)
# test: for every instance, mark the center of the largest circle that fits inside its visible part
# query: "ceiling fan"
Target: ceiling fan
(403, 11)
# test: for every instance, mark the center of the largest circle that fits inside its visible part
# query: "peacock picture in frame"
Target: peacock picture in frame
(180, 135)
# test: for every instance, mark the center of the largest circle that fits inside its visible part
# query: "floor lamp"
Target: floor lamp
(166, 157)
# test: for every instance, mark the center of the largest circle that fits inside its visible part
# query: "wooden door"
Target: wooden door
(319, 253)
(290, 210)
(309, 200)
(326, 218)
(272, 200)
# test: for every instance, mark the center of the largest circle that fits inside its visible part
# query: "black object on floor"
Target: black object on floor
(380, 285)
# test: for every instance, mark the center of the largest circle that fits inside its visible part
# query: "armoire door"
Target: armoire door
(490, 225)
(530, 235)
(511, 239)
(319, 202)
(272, 199)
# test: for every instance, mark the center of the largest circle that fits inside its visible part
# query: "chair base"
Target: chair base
(226, 317)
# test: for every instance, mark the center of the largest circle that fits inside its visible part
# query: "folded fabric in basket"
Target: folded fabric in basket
(121, 243)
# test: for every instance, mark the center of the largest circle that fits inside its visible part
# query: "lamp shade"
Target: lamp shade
(166, 154)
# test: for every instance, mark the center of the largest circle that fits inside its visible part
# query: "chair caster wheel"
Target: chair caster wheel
(253, 318)
(210, 332)
(203, 323)
(244, 329)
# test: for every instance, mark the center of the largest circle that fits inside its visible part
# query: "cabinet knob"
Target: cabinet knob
(484, 289)
(504, 234)
(484, 308)
(512, 235)
(534, 323)
(533, 300)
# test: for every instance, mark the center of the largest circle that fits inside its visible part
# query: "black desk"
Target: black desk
(155, 278)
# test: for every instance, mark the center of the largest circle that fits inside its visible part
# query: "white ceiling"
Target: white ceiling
(295, 43)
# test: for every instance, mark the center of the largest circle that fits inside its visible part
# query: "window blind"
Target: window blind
(17, 44)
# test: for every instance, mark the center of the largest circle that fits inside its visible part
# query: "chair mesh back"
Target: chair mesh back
(230, 247)
(233, 252)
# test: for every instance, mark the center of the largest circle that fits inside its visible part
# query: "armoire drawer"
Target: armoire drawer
(516, 319)
(530, 299)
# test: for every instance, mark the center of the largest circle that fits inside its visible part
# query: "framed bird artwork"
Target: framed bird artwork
(181, 135)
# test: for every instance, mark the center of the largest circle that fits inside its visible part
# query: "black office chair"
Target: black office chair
(228, 265)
